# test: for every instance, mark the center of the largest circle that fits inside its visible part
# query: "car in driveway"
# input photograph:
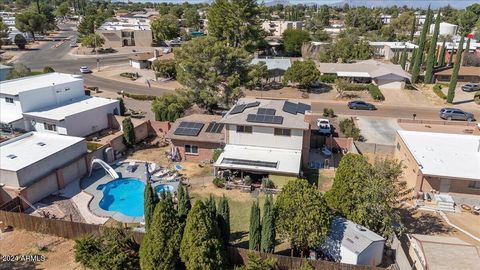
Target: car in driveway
(85, 70)
(471, 87)
(456, 114)
(324, 126)
(360, 105)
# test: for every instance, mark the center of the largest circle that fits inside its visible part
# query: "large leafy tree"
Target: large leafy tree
(224, 219)
(201, 246)
(432, 50)
(150, 200)
(305, 73)
(165, 27)
(160, 246)
(466, 21)
(293, 39)
(171, 106)
(192, 18)
(3, 31)
(268, 226)
(62, 10)
(164, 68)
(212, 69)
(456, 68)
(92, 41)
(421, 47)
(366, 194)
(364, 19)
(31, 22)
(257, 75)
(403, 23)
(347, 48)
(303, 217)
(255, 227)
(235, 21)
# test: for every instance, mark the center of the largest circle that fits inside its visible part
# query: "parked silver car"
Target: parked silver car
(456, 114)
(471, 87)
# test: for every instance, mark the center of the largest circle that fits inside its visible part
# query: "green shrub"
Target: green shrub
(437, 89)
(328, 112)
(375, 92)
(48, 69)
(131, 75)
(348, 128)
(218, 182)
(247, 180)
(137, 97)
(476, 97)
(216, 153)
(346, 86)
(267, 183)
(328, 78)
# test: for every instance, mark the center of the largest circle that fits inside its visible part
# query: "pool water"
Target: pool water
(163, 188)
(124, 195)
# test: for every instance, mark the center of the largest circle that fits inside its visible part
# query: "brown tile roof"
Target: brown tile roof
(202, 136)
(464, 71)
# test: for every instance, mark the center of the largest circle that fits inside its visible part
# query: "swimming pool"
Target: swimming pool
(162, 188)
(124, 195)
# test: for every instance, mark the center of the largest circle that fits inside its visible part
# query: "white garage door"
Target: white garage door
(390, 84)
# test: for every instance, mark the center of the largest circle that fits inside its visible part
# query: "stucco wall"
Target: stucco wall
(264, 137)
(205, 150)
(41, 189)
(91, 121)
(411, 172)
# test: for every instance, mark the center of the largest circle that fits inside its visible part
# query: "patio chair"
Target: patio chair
(162, 173)
(152, 167)
(131, 166)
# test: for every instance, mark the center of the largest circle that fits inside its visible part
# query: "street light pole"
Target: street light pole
(95, 46)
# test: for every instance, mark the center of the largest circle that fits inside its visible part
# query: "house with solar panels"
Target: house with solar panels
(196, 136)
(265, 137)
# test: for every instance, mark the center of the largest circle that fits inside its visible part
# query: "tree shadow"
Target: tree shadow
(418, 222)
(236, 236)
(462, 101)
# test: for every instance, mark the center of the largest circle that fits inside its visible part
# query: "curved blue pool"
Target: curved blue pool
(163, 188)
(124, 195)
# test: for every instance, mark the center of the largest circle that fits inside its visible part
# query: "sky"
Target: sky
(369, 3)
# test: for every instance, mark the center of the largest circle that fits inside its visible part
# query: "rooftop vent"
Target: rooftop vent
(11, 156)
(360, 228)
(41, 144)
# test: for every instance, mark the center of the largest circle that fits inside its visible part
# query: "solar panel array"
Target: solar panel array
(294, 108)
(266, 111)
(241, 108)
(189, 129)
(215, 127)
(267, 119)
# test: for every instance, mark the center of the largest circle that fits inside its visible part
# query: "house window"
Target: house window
(9, 100)
(51, 127)
(474, 184)
(191, 149)
(244, 129)
(282, 132)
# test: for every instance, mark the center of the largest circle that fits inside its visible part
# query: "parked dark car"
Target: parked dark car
(471, 87)
(456, 114)
(361, 105)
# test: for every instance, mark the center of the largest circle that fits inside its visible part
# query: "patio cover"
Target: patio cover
(254, 158)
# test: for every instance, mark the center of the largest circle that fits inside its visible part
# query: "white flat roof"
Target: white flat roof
(353, 74)
(27, 149)
(16, 86)
(60, 112)
(8, 116)
(442, 154)
(287, 161)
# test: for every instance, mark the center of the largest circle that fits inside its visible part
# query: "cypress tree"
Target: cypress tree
(255, 230)
(403, 58)
(412, 59)
(413, 29)
(224, 219)
(211, 207)
(201, 246)
(122, 106)
(441, 61)
(421, 47)
(467, 49)
(450, 58)
(150, 200)
(268, 226)
(184, 204)
(456, 68)
(431, 51)
(128, 132)
(160, 246)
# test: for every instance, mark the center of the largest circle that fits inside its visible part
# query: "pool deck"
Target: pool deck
(99, 177)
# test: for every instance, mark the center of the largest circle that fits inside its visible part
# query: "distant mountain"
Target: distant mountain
(460, 4)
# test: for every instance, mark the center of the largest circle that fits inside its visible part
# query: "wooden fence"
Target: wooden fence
(74, 230)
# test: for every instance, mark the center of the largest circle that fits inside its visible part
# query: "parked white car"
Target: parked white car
(85, 70)
(324, 126)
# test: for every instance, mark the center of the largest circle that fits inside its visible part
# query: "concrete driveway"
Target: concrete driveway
(378, 130)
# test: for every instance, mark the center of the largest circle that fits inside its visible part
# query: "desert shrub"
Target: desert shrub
(476, 97)
(346, 86)
(348, 128)
(137, 97)
(48, 69)
(375, 92)
(247, 180)
(218, 182)
(437, 89)
(328, 78)
(328, 112)
(131, 75)
(267, 183)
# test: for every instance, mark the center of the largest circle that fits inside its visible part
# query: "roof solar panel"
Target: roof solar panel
(238, 109)
(277, 120)
(219, 128)
(302, 107)
(265, 111)
(210, 126)
(189, 129)
(290, 107)
(215, 127)
(252, 104)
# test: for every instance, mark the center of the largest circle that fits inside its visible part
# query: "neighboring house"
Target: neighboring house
(126, 31)
(199, 142)
(386, 76)
(388, 50)
(265, 137)
(53, 102)
(386, 19)
(141, 60)
(276, 28)
(276, 66)
(442, 253)
(4, 71)
(348, 242)
(37, 164)
(440, 162)
(465, 74)
(446, 29)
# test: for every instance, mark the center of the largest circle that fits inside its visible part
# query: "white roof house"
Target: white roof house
(25, 84)
(442, 154)
(394, 44)
(348, 242)
(274, 63)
